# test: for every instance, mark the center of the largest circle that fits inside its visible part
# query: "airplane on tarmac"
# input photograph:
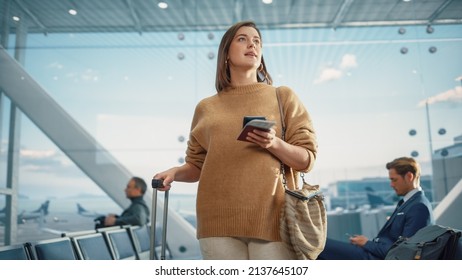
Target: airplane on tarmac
(24, 216)
(187, 215)
(86, 213)
(376, 200)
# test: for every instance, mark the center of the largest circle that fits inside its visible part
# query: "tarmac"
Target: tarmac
(51, 226)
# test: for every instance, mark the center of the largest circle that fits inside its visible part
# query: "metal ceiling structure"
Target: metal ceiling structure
(52, 16)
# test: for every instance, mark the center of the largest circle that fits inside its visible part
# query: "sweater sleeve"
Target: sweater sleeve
(195, 153)
(299, 126)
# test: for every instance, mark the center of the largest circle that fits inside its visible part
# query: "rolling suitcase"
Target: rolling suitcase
(155, 185)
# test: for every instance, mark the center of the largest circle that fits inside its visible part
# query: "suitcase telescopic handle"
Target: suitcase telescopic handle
(157, 183)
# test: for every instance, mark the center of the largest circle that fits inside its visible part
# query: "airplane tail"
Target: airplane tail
(80, 209)
(86, 213)
(376, 200)
(43, 208)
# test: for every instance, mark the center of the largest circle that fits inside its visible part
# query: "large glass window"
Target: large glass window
(374, 94)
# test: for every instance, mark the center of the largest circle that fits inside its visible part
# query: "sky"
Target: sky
(136, 95)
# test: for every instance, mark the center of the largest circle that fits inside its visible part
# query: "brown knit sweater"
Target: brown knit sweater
(240, 192)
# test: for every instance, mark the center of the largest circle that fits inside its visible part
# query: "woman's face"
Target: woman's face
(245, 49)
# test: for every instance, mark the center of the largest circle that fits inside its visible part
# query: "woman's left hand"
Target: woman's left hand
(264, 139)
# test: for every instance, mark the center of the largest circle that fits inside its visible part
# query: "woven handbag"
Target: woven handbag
(303, 219)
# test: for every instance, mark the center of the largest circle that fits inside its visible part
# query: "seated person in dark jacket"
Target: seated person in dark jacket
(413, 212)
(137, 214)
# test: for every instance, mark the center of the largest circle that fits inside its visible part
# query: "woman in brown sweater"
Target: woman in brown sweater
(240, 192)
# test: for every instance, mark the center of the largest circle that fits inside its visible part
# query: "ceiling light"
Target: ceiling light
(162, 5)
(72, 12)
(444, 152)
(16, 18)
(430, 29)
(267, 1)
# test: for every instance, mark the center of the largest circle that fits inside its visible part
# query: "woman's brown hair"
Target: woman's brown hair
(223, 76)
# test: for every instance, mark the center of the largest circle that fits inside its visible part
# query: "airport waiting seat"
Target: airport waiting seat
(120, 244)
(140, 236)
(72, 234)
(91, 246)
(103, 229)
(54, 249)
(15, 252)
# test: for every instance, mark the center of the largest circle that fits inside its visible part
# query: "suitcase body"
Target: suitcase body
(155, 185)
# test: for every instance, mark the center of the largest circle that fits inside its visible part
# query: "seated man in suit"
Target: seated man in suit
(412, 213)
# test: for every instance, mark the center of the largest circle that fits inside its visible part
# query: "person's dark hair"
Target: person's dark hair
(403, 165)
(223, 77)
(140, 184)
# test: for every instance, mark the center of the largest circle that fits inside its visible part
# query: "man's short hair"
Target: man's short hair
(403, 165)
(140, 184)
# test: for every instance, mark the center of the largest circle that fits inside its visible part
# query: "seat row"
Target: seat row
(112, 243)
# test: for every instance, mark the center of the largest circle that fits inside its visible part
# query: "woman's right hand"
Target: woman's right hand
(168, 176)
(185, 173)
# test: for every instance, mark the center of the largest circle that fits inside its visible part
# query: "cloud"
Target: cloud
(37, 154)
(88, 75)
(44, 161)
(348, 61)
(328, 74)
(452, 95)
(334, 73)
(56, 65)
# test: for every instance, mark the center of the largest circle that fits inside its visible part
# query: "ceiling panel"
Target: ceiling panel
(51, 16)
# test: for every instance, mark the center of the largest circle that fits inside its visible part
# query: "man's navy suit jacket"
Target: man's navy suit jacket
(407, 219)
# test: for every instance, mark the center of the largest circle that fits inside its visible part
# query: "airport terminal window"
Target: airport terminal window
(374, 93)
(358, 83)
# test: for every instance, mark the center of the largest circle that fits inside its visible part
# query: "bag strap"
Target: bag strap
(283, 137)
(281, 113)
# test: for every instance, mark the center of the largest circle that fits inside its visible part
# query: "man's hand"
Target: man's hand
(110, 220)
(358, 240)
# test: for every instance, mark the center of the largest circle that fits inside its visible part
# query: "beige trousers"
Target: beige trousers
(234, 248)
